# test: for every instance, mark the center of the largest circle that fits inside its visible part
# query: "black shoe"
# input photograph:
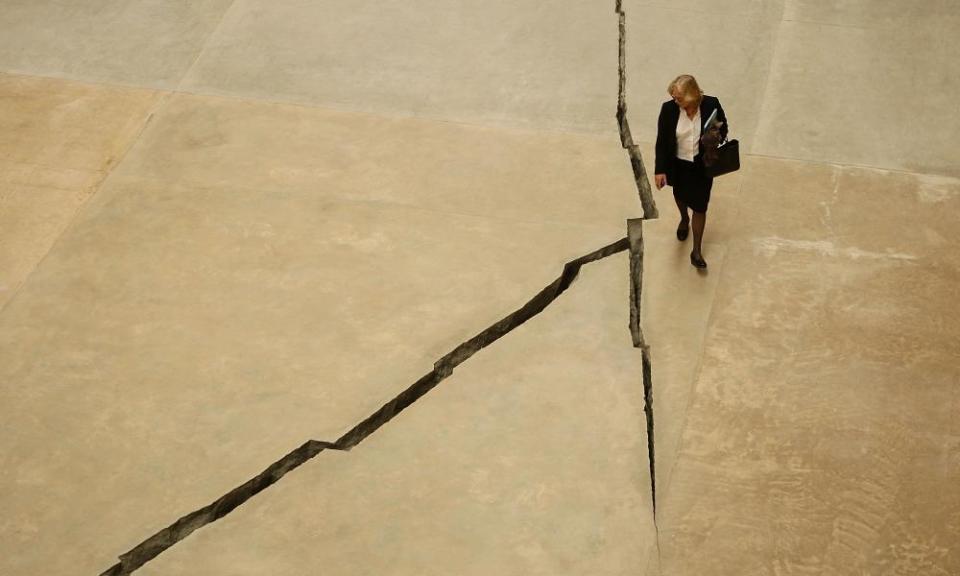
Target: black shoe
(698, 261)
(682, 232)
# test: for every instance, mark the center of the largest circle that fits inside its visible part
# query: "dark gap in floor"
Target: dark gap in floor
(443, 368)
(635, 237)
(647, 200)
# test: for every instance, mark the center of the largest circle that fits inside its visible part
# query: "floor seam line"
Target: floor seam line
(103, 174)
(204, 46)
(766, 81)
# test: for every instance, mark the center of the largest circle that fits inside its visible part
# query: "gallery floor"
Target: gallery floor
(233, 230)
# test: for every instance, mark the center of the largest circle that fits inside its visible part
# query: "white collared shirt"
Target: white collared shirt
(688, 135)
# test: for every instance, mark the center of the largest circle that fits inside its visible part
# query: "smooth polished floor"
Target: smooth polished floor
(228, 227)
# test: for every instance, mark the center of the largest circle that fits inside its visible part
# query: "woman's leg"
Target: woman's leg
(699, 221)
(684, 216)
(684, 225)
(705, 184)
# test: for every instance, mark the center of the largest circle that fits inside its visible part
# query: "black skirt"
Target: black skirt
(691, 184)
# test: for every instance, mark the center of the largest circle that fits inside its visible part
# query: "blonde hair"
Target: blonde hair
(687, 88)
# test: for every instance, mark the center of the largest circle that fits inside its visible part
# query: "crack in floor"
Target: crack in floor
(443, 368)
(635, 238)
(650, 211)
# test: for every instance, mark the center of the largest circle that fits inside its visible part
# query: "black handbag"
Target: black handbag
(727, 159)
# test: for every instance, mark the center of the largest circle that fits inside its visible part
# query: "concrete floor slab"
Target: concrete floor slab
(862, 213)
(921, 222)
(864, 94)
(822, 435)
(57, 141)
(868, 13)
(322, 310)
(550, 65)
(487, 474)
(677, 302)
(255, 274)
(192, 326)
(64, 126)
(31, 218)
(520, 175)
(676, 306)
(118, 41)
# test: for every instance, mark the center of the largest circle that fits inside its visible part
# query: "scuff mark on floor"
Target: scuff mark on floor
(769, 246)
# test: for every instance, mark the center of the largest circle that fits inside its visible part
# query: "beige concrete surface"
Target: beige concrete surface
(548, 65)
(68, 125)
(822, 437)
(530, 459)
(511, 174)
(882, 89)
(677, 303)
(137, 43)
(58, 140)
(199, 319)
(676, 306)
(329, 197)
(31, 218)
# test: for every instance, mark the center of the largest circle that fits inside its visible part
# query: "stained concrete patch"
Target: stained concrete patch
(487, 474)
(858, 212)
(135, 43)
(789, 199)
(549, 65)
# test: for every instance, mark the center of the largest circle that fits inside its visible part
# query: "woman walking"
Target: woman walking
(679, 155)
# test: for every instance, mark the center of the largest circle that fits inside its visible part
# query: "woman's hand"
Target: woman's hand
(660, 180)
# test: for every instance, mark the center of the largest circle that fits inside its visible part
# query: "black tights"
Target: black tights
(699, 221)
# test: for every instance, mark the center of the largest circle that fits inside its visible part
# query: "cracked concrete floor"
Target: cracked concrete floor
(230, 227)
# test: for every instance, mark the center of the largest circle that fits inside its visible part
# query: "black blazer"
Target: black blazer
(666, 151)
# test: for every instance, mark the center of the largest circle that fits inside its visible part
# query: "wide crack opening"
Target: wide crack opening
(635, 237)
